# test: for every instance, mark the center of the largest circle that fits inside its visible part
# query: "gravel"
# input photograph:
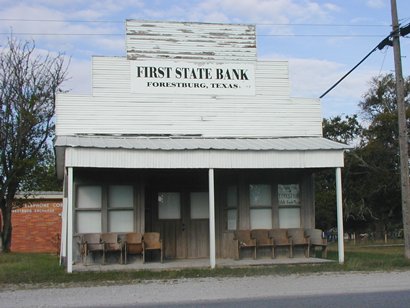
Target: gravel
(202, 289)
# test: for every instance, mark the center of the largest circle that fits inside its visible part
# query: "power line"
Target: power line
(258, 35)
(257, 24)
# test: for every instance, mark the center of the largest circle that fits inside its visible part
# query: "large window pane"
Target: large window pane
(289, 217)
(199, 205)
(289, 194)
(169, 205)
(231, 218)
(120, 196)
(260, 195)
(261, 218)
(120, 221)
(232, 196)
(89, 197)
(88, 222)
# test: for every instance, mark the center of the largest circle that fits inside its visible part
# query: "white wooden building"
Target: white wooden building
(191, 136)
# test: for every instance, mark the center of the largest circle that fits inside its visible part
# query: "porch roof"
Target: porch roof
(195, 152)
(181, 143)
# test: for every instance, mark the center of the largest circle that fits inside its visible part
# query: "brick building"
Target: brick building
(37, 222)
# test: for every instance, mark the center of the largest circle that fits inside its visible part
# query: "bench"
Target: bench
(298, 238)
(281, 238)
(262, 239)
(316, 239)
(244, 240)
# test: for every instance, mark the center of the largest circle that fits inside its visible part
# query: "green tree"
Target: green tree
(345, 129)
(29, 82)
(371, 176)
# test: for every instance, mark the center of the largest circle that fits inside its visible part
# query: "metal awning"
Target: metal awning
(199, 143)
(186, 152)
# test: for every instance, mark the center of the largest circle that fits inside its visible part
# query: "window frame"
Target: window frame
(261, 207)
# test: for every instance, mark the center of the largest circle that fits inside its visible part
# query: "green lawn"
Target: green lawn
(42, 270)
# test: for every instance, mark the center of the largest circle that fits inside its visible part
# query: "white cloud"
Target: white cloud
(312, 77)
(376, 4)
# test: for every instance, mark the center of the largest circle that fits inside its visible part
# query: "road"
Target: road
(379, 289)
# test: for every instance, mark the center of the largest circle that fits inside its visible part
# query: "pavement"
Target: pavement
(205, 289)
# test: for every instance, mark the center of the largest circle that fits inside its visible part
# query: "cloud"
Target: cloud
(312, 77)
(376, 4)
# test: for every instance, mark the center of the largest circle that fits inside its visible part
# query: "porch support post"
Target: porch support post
(340, 236)
(70, 197)
(212, 254)
(63, 244)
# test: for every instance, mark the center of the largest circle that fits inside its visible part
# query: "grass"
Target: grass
(19, 270)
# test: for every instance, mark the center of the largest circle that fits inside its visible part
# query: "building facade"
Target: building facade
(191, 136)
(36, 222)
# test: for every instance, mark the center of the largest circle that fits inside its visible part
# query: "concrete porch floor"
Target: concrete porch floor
(178, 264)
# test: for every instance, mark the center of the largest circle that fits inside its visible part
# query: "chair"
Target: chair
(244, 240)
(281, 239)
(297, 236)
(316, 239)
(262, 239)
(152, 241)
(91, 242)
(111, 244)
(132, 244)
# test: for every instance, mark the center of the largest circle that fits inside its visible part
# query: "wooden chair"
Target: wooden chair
(152, 241)
(281, 239)
(315, 239)
(132, 244)
(244, 240)
(297, 236)
(262, 239)
(111, 244)
(91, 242)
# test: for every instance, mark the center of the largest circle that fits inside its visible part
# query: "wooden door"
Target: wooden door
(181, 218)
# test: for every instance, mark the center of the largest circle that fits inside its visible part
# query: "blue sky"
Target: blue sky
(322, 40)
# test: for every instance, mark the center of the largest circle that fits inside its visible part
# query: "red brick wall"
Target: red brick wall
(37, 227)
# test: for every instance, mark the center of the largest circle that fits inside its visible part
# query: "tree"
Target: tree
(371, 176)
(344, 129)
(29, 82)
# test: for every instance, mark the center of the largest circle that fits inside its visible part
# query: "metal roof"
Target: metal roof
(199, 143)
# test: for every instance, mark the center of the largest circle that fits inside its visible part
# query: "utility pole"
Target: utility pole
(403, 138)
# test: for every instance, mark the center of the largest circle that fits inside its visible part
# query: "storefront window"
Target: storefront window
(260, 206)
(231, 207)
(199, 205)
(88, 211)
(120, 208)
(169, 205)
(289, 205)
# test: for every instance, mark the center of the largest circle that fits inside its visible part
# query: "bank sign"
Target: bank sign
(168, 77)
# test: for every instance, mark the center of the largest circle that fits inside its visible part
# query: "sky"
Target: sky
(322, 40)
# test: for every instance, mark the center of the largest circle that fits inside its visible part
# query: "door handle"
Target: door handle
(183, 227)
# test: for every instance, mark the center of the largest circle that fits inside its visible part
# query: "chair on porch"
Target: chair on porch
(298, 238)
(91, 242)
(111, 244)
(132, 244)
(152, 241)
(244, 240)
(316, 239)
(281, 238)
(262, 239)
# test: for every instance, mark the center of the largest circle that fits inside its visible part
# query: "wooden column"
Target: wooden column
(212, 255)
(339, 204)
(70, 205)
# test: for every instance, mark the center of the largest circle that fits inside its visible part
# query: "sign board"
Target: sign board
(170, 77)
(289, 194)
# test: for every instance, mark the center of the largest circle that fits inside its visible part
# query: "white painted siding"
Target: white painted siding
(114, 110)
(201, 41)
(144, 159)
